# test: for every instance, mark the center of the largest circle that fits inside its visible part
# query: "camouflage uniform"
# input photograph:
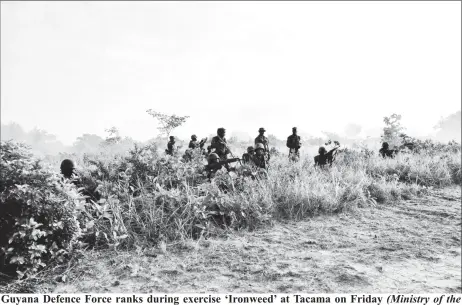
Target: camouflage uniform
(247, 157)
(212, 165)
(220, 145)
(263, 140)
(324, 158)
(193, 144)
(294, 143)
(170, 146)
(385, 152)
(260, 159)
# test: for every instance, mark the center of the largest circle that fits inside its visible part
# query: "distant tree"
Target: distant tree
(392, 130)
(449, 128)
(12, 131)
(113, 136)
(167, 122)
(352, 130)
(87, 143)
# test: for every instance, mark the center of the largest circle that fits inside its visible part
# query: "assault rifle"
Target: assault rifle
(219, 165)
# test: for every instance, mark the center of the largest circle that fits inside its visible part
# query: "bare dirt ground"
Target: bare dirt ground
(410, 247)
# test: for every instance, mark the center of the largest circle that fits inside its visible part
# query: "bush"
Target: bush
(37, 212)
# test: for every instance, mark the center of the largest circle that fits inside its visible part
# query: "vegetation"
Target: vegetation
(126, 194)
(143, 197)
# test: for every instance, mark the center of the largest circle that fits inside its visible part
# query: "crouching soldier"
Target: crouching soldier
(214, 164)
(247, 158)
(85, 187)
(387, 153)
(325, 157)
(261, 158)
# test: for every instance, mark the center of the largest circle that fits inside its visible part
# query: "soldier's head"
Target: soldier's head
(250, 150)
(194, 137)
(294, 130)
(385, 145)
(259, 149)
(67, 168)
(261, 131)
(221, 132)
(209, 148)
(172, 138)
(322, 150)
(213, 158)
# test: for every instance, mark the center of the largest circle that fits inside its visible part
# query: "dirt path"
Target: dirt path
(410, 247)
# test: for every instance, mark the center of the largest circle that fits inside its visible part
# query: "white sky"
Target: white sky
(80, 67)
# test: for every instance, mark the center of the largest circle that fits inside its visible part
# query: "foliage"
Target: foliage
(37, 212)
(113, 136)
(146, 197)
(167, 122)
(392, 130)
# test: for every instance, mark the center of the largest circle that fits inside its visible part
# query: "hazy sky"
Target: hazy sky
(81, 67)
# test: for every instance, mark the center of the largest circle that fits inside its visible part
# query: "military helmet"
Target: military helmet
(213, 156)
(385, 145)
(294, 128)
(259, 146)
(172, 137)
(261, 129)
(67, 168)
(322, 150)
(250, 149)
(221, 129)
(193, 137)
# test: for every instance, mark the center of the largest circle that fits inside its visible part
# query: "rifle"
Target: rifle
(227, 147)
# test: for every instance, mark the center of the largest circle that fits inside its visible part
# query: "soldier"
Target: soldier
(220, 145)
(263, 140)
(193, 143)
(170, 146)
(387, 153)
(324, 158)
(260, 159)
(86, 189)
(67, 168)
(188, 155)
(248, 156)
(294, 144)
(214, 164)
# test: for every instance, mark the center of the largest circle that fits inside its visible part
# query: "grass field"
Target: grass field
(308, 224)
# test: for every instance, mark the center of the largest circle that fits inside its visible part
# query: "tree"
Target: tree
(393, 130)
(167, 122)
(87, 143)
(113, 137)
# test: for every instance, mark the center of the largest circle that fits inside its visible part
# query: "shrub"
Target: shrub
(37, 212)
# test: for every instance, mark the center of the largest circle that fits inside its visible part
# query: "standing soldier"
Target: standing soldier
(294, 144)
(170, 146)
(263, 140)
(220, 145)
(248, 156)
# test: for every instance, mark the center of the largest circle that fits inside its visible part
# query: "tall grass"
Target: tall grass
(174, 200)
(141, 196)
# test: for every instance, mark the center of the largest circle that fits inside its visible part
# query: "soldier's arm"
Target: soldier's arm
(288, 141)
